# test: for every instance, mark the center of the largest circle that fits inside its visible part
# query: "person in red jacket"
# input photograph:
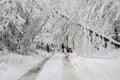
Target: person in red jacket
(69, 50)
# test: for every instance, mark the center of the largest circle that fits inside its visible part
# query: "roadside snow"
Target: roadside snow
(13, 66)
(73, 67)
(58, 67)
(96, 68)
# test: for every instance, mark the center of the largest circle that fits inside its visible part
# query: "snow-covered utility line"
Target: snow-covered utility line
(106, 37)
(34, 72)
(100, 35)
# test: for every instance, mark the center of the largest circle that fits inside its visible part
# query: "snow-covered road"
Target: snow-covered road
(63, 67)
(18, 67)
(34, 72)
(68, 70)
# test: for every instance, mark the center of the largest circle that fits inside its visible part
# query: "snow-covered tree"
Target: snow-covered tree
(84, 25)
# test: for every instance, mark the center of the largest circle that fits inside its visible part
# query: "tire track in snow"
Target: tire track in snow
(34, 72)
(68, 70)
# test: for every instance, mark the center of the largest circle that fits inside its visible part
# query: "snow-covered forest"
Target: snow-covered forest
(81, 24)
(36, 29)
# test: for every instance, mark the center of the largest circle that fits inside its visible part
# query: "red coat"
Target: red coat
(70, 50)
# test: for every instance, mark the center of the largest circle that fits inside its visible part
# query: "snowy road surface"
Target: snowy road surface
(64, 67)
(61, 67)
(68, 70)
(34, 72)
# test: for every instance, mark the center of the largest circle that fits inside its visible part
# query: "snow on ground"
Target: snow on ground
(34, 72)
(58, 67)
(73, 67)
(96, 68)
(52, 70)
(13, 66)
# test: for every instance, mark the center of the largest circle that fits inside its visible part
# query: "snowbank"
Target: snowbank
(13, 66)
(96, 68)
